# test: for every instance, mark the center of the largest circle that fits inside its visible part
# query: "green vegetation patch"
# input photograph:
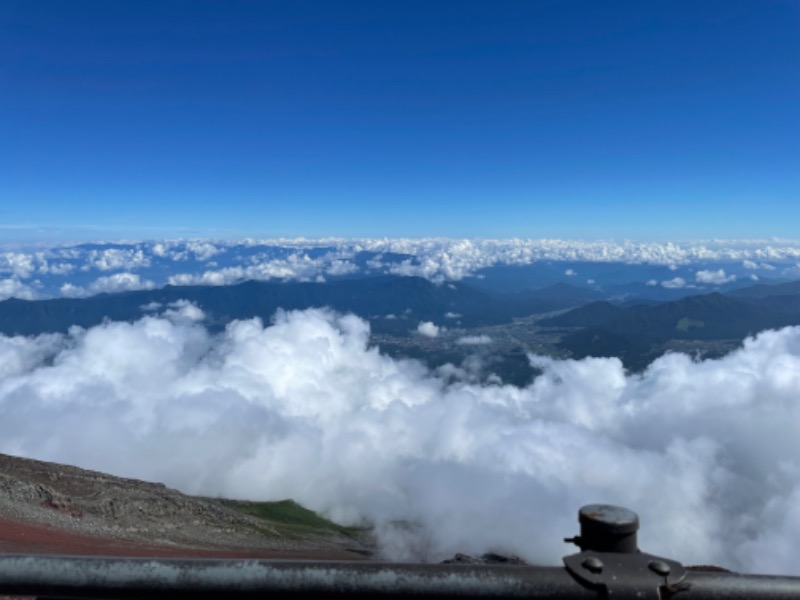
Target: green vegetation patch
(290, 514)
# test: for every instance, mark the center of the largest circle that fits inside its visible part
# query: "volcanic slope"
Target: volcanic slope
(49, 508)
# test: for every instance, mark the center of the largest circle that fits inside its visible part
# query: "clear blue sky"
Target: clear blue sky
(626, 119)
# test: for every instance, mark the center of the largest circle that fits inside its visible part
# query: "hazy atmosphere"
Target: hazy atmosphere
(448, 269)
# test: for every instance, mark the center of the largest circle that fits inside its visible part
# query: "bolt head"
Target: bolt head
(659, 567)
(593, 564)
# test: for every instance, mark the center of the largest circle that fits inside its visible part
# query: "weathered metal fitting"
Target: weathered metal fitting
(610, 561)
(607, 528)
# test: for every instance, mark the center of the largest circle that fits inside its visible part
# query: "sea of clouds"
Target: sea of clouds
(304, 407)
(85, 269)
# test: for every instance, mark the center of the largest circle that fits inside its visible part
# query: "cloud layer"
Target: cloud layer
(85, 269)
(303, 407)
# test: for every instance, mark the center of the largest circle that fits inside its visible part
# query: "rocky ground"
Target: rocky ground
(50, 508)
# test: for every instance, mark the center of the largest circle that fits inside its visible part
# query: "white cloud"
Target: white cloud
(19, 264)
(341, 267)
(428, 329)
(749, 264)
(297, 266)
(652, 282)
(225, 276)
(183, 310)
(437, 259)
(20, 355)
(120, 282)
(452, 315)
(474, 340)
(112, 259)
(306, 408)
(570, 272)
(677, 282)
(714, 277)
(58, 268)
(203, 250)
(69, 290)
(14, 288)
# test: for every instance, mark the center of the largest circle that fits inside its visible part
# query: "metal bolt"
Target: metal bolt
(593, 564)
(659, 567)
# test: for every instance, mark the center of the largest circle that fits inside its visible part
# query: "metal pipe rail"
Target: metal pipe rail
(85, 577)
(609, 566)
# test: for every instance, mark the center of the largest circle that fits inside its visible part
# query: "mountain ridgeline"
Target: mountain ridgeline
(384, 301)
(638, 334)
(586, 323)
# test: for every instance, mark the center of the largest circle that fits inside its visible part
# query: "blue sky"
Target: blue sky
(595, 120)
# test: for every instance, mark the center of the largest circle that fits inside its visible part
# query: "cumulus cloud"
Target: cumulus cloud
(305, 407)
(298, 266)
(19, 264)
(341, 267)
(14, 288)
(112, 259)
(677, 282)
(69, 290)
(120, 282)
(203, 250)
(570, 272)
(428, 329)
(440, 259)
(749, 264)
(182, 310)
(714, 277)
(184, 262)
(62, 268)
(474, 340)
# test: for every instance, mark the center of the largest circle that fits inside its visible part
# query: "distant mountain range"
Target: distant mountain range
(395, 305)
(392, 304)
(632, 333)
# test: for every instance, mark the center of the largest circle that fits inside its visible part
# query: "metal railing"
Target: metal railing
(609, 565)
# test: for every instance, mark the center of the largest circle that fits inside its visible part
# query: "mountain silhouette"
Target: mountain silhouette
(413, 299)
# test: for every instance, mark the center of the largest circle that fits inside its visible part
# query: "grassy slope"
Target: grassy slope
(289, 518)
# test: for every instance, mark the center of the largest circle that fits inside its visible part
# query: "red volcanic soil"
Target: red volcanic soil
(50, 508)
(29, 538)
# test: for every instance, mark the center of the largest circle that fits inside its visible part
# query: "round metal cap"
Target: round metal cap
(614, 520)
(608, 528)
